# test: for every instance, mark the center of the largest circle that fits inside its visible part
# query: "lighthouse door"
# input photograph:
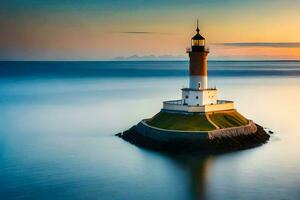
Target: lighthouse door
(199, 85)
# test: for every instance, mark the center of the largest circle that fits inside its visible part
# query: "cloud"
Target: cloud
(263, 44)
(144, 32)
(137, 32)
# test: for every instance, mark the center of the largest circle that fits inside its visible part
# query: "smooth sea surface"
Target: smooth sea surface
(58, 120)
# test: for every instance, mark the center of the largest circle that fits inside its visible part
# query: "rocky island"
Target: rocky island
(199, 121)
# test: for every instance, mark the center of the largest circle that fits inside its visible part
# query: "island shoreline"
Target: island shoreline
(207, 145)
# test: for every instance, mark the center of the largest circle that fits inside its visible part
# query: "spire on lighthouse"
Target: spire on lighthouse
(197, 26)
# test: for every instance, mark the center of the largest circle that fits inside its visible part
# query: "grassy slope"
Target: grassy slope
(226, 119)
(185, 122)
(196, 122)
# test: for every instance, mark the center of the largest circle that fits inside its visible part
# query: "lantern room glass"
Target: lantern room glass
(198, 42)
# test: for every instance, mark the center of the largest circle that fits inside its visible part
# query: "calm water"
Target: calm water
(58, 120)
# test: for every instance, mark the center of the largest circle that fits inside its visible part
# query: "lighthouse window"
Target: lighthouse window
(198, 42)
(197, 97)
(186, 96)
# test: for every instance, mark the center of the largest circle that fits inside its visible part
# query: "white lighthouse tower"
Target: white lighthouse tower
(198, 97)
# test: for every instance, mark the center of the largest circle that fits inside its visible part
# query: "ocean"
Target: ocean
(58, 121)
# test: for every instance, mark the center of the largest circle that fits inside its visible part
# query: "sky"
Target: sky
(118, 29)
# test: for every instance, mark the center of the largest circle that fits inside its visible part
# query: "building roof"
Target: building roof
(198, 36)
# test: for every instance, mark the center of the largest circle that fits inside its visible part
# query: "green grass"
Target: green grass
(184, 122)
(227, 119)
(197, 122)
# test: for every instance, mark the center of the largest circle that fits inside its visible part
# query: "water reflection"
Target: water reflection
(197, 169)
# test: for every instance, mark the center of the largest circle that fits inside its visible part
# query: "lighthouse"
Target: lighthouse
(198, 97)
(198, 62)
(199, 120)
(198, 93)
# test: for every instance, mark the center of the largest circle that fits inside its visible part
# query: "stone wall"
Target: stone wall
(169, 135)
(235, 131)
(166, 135)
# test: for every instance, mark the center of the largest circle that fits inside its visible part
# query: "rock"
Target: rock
(211, 145)
(118, 134)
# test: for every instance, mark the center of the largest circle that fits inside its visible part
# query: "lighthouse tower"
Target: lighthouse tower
(198, 97)
(198, 62)
(198, 93)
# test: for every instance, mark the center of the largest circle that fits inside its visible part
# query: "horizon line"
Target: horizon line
(221, 60)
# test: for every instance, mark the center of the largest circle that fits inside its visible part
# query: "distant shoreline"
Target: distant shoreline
(80, 69)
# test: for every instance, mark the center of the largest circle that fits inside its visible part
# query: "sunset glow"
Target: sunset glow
(90, 30)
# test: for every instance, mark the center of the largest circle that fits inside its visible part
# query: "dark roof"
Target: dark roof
(198, 37)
